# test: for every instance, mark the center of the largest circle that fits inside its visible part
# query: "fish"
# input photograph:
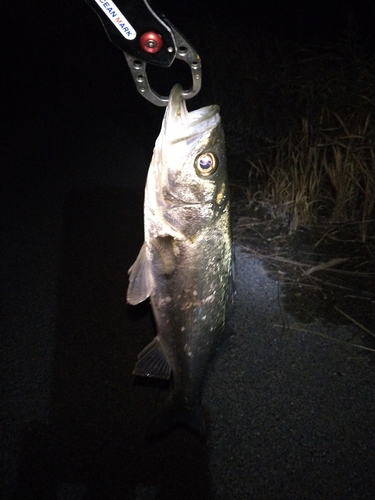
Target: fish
(185, 265)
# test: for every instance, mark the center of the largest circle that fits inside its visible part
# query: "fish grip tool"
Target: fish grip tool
(146, 37)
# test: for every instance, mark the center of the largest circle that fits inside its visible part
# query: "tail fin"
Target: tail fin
(172, 414)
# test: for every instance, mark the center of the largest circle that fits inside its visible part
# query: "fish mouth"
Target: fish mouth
(192, 123)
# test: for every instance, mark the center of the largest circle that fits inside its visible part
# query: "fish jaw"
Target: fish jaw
(179, 124)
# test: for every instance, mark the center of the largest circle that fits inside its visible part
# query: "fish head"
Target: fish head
(188, 174)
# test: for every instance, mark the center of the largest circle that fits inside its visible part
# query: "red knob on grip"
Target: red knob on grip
(151, 42)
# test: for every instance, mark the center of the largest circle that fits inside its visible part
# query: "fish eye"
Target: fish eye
(206, 163)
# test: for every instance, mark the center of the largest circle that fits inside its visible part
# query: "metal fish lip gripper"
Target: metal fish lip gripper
(146, 37)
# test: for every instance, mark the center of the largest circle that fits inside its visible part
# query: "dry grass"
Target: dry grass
(313, 174)
(321, 166)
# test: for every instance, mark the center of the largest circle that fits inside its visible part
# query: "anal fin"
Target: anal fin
(152, 362)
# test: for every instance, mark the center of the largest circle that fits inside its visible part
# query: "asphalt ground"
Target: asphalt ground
(290, 413)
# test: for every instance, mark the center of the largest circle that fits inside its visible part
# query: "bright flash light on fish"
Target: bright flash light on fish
(185, 263)
(206, 163)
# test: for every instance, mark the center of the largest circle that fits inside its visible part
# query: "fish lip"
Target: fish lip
(179, 113)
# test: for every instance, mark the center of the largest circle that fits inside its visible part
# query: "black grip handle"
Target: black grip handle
(136, 29)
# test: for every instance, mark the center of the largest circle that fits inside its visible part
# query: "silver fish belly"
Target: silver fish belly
(185, 264)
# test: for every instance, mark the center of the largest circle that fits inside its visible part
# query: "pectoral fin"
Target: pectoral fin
(152, 362)
(167, 259)
(140, 279)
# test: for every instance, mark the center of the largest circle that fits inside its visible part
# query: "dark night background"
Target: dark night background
(76, 144)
